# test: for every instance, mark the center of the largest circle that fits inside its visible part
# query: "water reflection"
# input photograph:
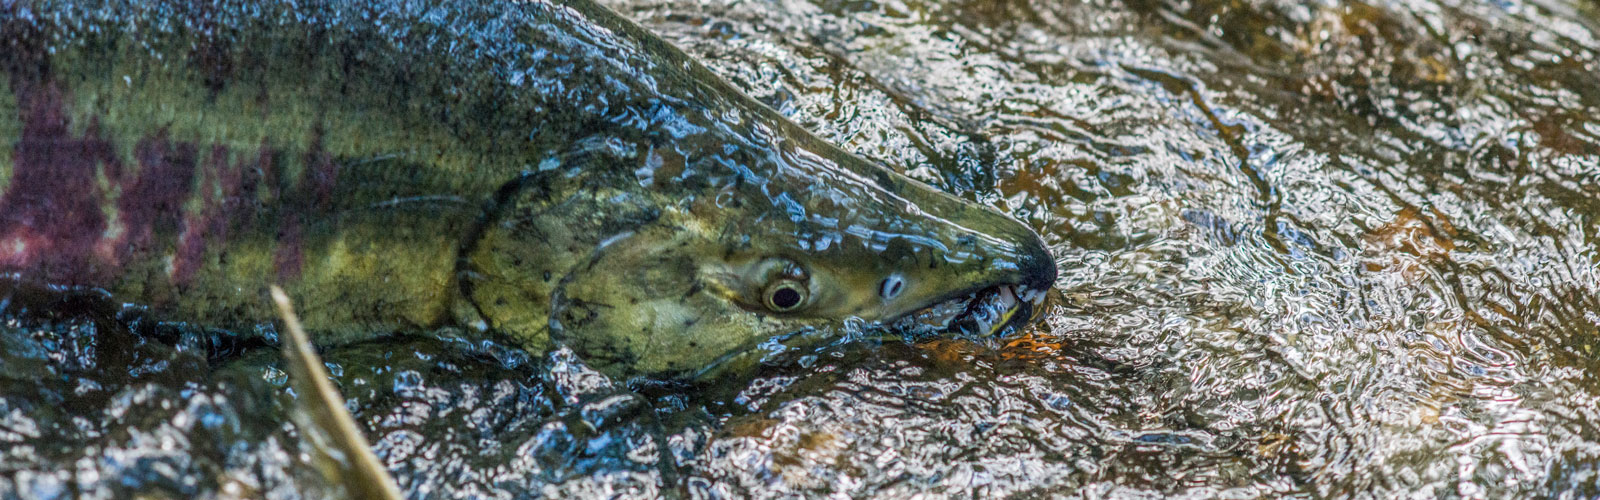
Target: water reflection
(1326, 249)
(1312, 250)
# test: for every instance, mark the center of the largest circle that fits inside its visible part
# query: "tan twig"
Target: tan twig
(363, 476)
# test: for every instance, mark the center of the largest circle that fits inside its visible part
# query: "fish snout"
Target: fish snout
(1036, 265)
(1004, 287)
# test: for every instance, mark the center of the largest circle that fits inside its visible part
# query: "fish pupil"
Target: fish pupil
(785, 298)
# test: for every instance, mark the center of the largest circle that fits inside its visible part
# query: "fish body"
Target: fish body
(546, 170)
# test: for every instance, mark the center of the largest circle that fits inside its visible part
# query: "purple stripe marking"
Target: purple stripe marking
(50, 217)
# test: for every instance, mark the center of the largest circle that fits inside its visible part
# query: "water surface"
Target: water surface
(1306, 250)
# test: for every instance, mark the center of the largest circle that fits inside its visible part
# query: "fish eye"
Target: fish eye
(785, 296)
(891, 286)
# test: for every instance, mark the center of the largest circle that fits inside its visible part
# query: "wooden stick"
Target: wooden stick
(362, 475)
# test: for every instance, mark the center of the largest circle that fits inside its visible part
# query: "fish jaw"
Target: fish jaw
(984, 313)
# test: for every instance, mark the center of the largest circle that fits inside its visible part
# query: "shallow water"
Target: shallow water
(1324, 250)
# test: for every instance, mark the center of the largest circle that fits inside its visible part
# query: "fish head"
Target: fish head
(669, 282)
(676, 225)
(852, 240)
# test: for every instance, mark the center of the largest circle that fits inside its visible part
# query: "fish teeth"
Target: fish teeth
(1003, 298)
(937, 317)
(979, 314)
(1029, 295)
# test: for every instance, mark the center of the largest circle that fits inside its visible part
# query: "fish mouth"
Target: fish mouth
(985, 312)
